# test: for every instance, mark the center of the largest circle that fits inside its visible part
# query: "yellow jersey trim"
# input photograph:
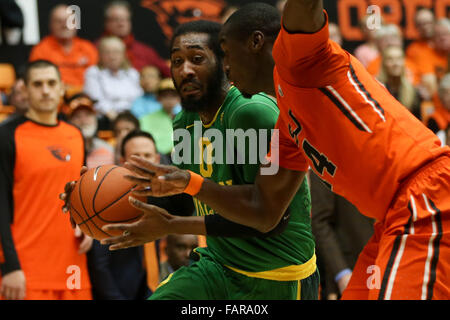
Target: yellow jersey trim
(165, 281)
(299, 290)
(213, 120)
(216, 115)
(289, 273)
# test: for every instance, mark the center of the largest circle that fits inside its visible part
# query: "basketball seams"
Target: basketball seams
(85, 211)
(98, 188)
(97, 214)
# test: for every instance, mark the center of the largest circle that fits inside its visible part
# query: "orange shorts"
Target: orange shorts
(408, 257)
(82, 294)
(36, 294)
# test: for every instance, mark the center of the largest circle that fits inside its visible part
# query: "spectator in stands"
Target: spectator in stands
(335, 33)
(439, 120)
(425, 22)
(70, 53)
(11, 22)
(178, 250)
(393, 76)
(124, 123)
(83, 115)
(147, 103)
(390, 35)
(432, 64)
(118, 23)
(113, 83)
(159, 123)
(18, 97)
(368, 51)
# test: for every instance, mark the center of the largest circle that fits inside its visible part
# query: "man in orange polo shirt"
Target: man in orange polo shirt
(70, 53)
(432, 64)
(424, 22)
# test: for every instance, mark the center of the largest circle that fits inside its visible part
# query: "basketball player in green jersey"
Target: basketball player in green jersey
(239, 262)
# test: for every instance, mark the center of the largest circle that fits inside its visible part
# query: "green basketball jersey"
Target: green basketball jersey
(229, 151)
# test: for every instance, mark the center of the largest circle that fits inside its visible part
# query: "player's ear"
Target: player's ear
(257, 41)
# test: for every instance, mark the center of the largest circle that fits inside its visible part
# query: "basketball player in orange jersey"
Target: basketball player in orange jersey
(42, 257)
(341, 122)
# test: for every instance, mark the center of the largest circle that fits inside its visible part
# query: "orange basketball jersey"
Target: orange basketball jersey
(36, 161)
(338, 119)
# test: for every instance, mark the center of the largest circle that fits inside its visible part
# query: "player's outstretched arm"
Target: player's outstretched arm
(260, 206)
(303, 16)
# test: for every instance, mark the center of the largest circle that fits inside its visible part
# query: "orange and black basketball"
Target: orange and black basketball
(100, 197)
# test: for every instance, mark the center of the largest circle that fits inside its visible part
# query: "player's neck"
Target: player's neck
(208, 115)
(45, 118)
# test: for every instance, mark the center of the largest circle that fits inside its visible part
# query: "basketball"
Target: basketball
(100, 197)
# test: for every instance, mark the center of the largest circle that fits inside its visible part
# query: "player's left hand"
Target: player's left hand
(154, 224)
(156, 180)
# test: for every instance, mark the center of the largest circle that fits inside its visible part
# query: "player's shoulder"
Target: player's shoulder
(8, 128)
(69, 129)
(259, 111)
(11, 123)
(238, 104)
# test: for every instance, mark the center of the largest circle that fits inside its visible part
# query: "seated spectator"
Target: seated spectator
(117, 17)
(424, 21)
(390, 35)
(439, 120)
(432, 64)
(11, 22)
(393, 76)
(124, 123)
(150, 78)
(159, 123)
(368, 51)
(18, 97)
(112, 83)
(82, 114)
(70, 53)
(178, 250)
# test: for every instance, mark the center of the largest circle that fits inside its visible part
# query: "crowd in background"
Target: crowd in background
(119, 90)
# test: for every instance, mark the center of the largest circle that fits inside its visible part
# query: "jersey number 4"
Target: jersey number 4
(319, 160)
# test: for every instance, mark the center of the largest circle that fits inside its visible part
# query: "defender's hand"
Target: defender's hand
(156, 180)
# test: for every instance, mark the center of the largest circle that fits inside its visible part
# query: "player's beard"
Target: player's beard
(212, 94)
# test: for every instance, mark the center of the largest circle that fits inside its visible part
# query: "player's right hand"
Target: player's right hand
(156, 180)
(13, 286)
(65, 196)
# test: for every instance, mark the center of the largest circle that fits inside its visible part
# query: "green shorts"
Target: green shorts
(206, 279)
